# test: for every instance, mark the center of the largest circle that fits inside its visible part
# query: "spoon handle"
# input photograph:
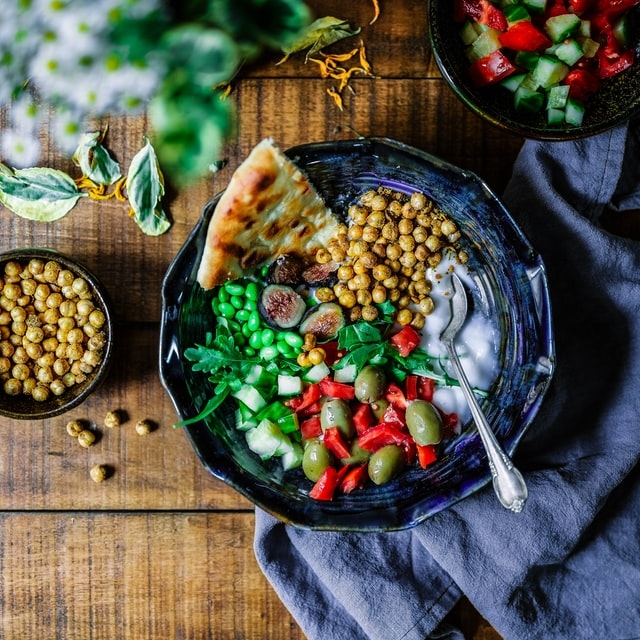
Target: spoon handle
(508, 482)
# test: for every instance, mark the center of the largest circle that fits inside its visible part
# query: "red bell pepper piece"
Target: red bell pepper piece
(380, 436)
(335, 443)
(524, 36)
(481, 11)
(411, 388)
(326, 485)
(426, 388)
(355, 478)
(310, 428)
(491, 69)
(395, 396)
(426, 454)
(406, 340)
(310, 395)
(582, 83)
(449, 423)
(363, 417)
(333, 389)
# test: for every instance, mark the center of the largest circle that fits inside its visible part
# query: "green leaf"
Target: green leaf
(94, 160)
(320, 34)
(38, 193)
(145, 188)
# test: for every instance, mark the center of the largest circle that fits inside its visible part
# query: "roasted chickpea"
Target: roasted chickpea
(317, 355)
(325, 294)
(358, 214)
(347, 299)
(369, 312)
(390, 231)
(86, 438)
(323, 256)
(418, 200)
(99, 473)
(404, 316)
(379, 294)
(426, 305)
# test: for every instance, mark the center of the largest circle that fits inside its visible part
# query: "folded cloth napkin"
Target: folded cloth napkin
(568, 566)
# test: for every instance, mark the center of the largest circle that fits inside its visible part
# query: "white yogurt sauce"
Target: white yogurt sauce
(476, 344)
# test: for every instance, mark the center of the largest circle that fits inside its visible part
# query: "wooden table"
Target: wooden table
(162, 549)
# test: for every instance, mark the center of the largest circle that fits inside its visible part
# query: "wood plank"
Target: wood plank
(134, 576)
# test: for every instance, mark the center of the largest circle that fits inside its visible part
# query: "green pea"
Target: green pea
(255, 339)
(268, 352)
(293, 339)
(251, 292)
(242, 315)
(254, 321)
(268, 336)
(223, 295)
(237, 302)
(234, 288)
(227, 310)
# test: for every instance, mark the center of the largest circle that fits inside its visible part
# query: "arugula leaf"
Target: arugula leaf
(319, 34)
(222, 391)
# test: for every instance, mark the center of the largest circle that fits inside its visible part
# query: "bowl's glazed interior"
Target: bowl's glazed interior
(617, 100)
(23, 407)
(511, 289)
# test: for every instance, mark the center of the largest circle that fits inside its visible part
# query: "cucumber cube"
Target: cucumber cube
(569, 51)
(555, 116)
(468, 33)
(485, 44)
(550, 71)
(527, 59)
(516, 13)
(535, 6)
(589, 47)
(574, 113)
(528, 100)
(512, 82)
(557, 97)
(558, 28)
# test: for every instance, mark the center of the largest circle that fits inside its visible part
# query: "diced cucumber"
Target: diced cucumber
(266, 440)
(528, 100)
(569, 51)
(589, 47)
(289, 385)
(516, 13)
(574, 112)
(250, 397)
(535, 6)
(289, 423)
(317, 372)
(346, 374)
(512, 82)
(486, 43)
(621, 31)
(292, 459)
(468, 33)
(527, 59)
(585, 28)
(555, 116)
(549, 71)
(557, 97)
(558, 28)
(259, 376)
(245, 422)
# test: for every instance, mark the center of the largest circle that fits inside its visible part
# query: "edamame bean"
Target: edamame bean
(242, 315)
(237, 302)
(227, 310)
(215, 306)
(255, 339)
(247, 332)
(234, 288)
(248, 351)
(251, 292)
(223, 295)
(268, 352)
(268, 336)
(254, 321)
(293, 339)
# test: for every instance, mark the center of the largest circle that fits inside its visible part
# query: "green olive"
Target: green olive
(386, 463)
(315, 459)
(358, 455)
(370, 383)
(424, 422)
(379, 407)
(336, 412)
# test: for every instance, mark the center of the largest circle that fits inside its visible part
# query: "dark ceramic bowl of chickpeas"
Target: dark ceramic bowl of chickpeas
(56, 333)
(514, 297)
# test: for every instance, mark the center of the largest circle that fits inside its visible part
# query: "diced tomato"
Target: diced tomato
(580, 6)
(449, 423)
(582, 83)
(612, 9)
(406, 340)
(395, 396)
(310, 395)
(380, 436)
(326, 485)
(524, 36)
(394, 416)
(554, 8)
(355, 478)
(491, 69)
(336, 443)
(611, 63)
(332, 352)
(363, 417)
(481, 11)
(310, 428)
(333, 389)
(426, 454)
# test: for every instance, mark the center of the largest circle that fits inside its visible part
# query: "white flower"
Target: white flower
(20, 149)
(67, 127)
(25, 114)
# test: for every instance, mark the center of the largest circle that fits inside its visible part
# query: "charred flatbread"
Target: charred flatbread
(269, 209)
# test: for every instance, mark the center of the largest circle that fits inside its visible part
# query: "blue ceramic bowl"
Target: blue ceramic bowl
(616, 102)
(516, 297)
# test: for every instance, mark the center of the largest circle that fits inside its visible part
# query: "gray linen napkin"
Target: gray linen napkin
(568, 566)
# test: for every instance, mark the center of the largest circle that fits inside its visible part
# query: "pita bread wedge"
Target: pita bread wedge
(269, 209)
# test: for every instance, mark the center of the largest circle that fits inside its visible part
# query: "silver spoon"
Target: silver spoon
(508, 482)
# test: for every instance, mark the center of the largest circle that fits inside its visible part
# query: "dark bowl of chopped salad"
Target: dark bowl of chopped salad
(348, 417)
(542, 69)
